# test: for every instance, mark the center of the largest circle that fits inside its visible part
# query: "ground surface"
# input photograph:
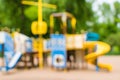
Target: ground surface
(48, 74)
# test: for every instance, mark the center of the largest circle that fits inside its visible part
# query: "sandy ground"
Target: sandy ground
(48, 74)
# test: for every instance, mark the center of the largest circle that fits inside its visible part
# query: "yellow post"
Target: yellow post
(40, 52)
(39, 11)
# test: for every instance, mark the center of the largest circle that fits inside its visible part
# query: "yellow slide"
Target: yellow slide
(102, 48)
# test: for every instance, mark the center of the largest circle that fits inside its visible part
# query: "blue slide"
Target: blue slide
(10, 57)
(12, 63)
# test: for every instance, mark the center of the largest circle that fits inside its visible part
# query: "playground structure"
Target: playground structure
(74, 43)
(83, 41)
(61, 46)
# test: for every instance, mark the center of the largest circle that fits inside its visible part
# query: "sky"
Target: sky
(99, 2)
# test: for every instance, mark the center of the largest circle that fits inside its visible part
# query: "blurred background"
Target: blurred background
(100, 16)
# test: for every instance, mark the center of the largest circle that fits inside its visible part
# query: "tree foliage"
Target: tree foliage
(13, 14)
(10, 14)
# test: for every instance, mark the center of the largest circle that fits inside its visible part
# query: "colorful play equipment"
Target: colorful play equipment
(91, 57)
(64, 48)
(39, 27)
(13, 49)
(59, 52)
(101, 49)
(67, 50)
(11, 57)
(75, 43)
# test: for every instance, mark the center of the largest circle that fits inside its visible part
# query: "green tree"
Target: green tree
(10, 13)
(12, 17)
(117, 15)
(104, 22)
(114, 41)
(82, 10)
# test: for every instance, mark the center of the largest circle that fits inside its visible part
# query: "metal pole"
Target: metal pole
(39, 11)
(40, 36)
(41, 52)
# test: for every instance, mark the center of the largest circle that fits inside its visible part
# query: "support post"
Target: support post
(40, 54)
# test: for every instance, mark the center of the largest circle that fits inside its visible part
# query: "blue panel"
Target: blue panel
(58, 50)
(8, 48)
(59, 59)
(9, 53)
(9, 44)
(28, 44)
(48, 45)
(0, 47)
(58, 42)
(91, 36)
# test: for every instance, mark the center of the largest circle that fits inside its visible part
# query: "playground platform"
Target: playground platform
(48, 74)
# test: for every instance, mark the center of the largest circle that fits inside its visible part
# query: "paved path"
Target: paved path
(47, 74)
